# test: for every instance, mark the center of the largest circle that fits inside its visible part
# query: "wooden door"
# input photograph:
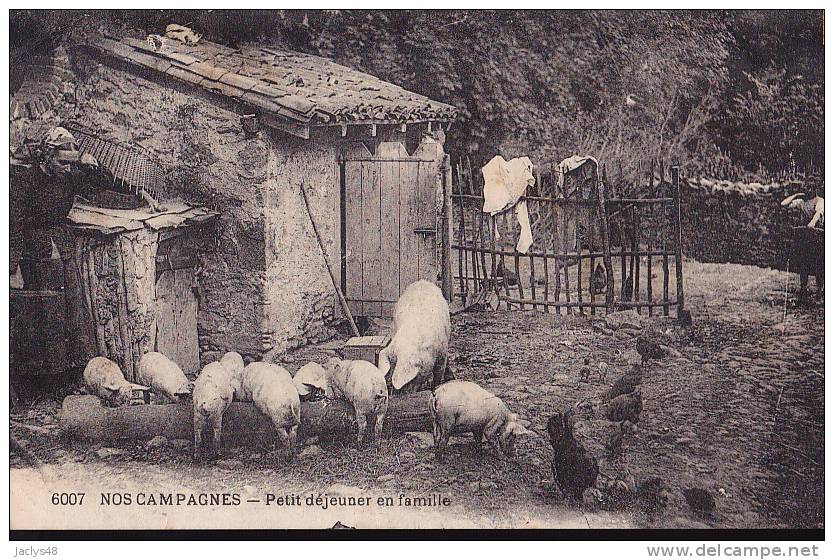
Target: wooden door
(390, 221)
(176, 300)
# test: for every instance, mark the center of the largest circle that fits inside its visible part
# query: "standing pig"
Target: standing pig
(419, 338)
(271, 388)
(362, 384)
(212, 394)
(233, 362)
(164, 376)
(105, 379)
(463, 406)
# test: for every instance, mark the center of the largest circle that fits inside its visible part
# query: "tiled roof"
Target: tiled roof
(299, 87)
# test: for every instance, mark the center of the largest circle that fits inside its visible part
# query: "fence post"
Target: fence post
(676, 190)
(446, 231)
(606, 246)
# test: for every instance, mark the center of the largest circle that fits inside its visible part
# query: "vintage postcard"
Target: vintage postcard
(416, 269)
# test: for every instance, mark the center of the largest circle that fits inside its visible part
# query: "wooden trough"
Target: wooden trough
(85, 418)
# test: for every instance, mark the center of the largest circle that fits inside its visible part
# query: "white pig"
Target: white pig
(310, 381)
(271, 388)
(212, 394)
(463, 406)
(105, 379)
(362, 384)
(419, 338)
(164, 376)
(233, 362)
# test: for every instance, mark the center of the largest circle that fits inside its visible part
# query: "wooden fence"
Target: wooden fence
(590, 254)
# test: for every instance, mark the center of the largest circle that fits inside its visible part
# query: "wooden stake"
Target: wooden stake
(339, 293)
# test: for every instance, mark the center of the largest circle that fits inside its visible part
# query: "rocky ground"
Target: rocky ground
(736, 408)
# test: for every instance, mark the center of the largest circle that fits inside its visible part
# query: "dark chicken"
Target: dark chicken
(699, 500)
(585, 372)
(599, 280)
(509, 277)
(653, 495)
(649, 349)
(626, 407)
(574, 469)
(627, 383)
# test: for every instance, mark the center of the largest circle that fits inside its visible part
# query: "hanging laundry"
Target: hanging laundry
(570, 165)
(505, 182)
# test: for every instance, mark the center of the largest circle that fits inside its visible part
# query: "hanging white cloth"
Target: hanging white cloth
(505, 182)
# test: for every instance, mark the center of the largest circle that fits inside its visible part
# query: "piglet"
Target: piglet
(311, 382)
(362, 384)
(271, 388)
(463, 406)
(212, 394)
(164, 376)
(104, 378)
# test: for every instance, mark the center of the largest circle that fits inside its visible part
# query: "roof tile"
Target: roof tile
(182, 58)
(223, 89)
(207, 70)
(239, 81)
(183, 74)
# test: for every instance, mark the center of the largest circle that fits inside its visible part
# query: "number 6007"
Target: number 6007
(67, 498)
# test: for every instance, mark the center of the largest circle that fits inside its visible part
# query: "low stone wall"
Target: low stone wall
(737, 223)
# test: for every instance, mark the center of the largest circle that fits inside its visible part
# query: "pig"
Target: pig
(105, 379)
(271, 388)
(363, 385)
(212, 394)
(233, 362)
(419, 339)
(311, 382)
(164, 376)
(463, 406)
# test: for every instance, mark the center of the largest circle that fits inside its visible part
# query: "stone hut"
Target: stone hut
(239, 132)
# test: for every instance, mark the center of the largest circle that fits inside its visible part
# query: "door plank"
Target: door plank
(353, 236)
(426, 220)
(371, 237)
(390, 235)
(409, 220)
(177, 319)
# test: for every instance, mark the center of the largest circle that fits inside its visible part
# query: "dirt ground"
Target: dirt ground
(736, 409)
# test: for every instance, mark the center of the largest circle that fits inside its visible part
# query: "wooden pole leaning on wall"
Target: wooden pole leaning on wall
(336, 287)
(676, 193)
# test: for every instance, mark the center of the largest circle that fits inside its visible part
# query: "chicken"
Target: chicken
(585, 372)
(510, 277)
(700, 500)
(615, 442)
(653, 495)
(648, 349)
(626, 407)
(574, 469)
(628, 289)
(599, 280)
(626, 384)
(602, 369)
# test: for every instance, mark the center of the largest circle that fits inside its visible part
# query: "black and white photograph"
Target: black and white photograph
(556, 271)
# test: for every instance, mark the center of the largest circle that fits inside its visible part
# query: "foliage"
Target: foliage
(686, 86)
